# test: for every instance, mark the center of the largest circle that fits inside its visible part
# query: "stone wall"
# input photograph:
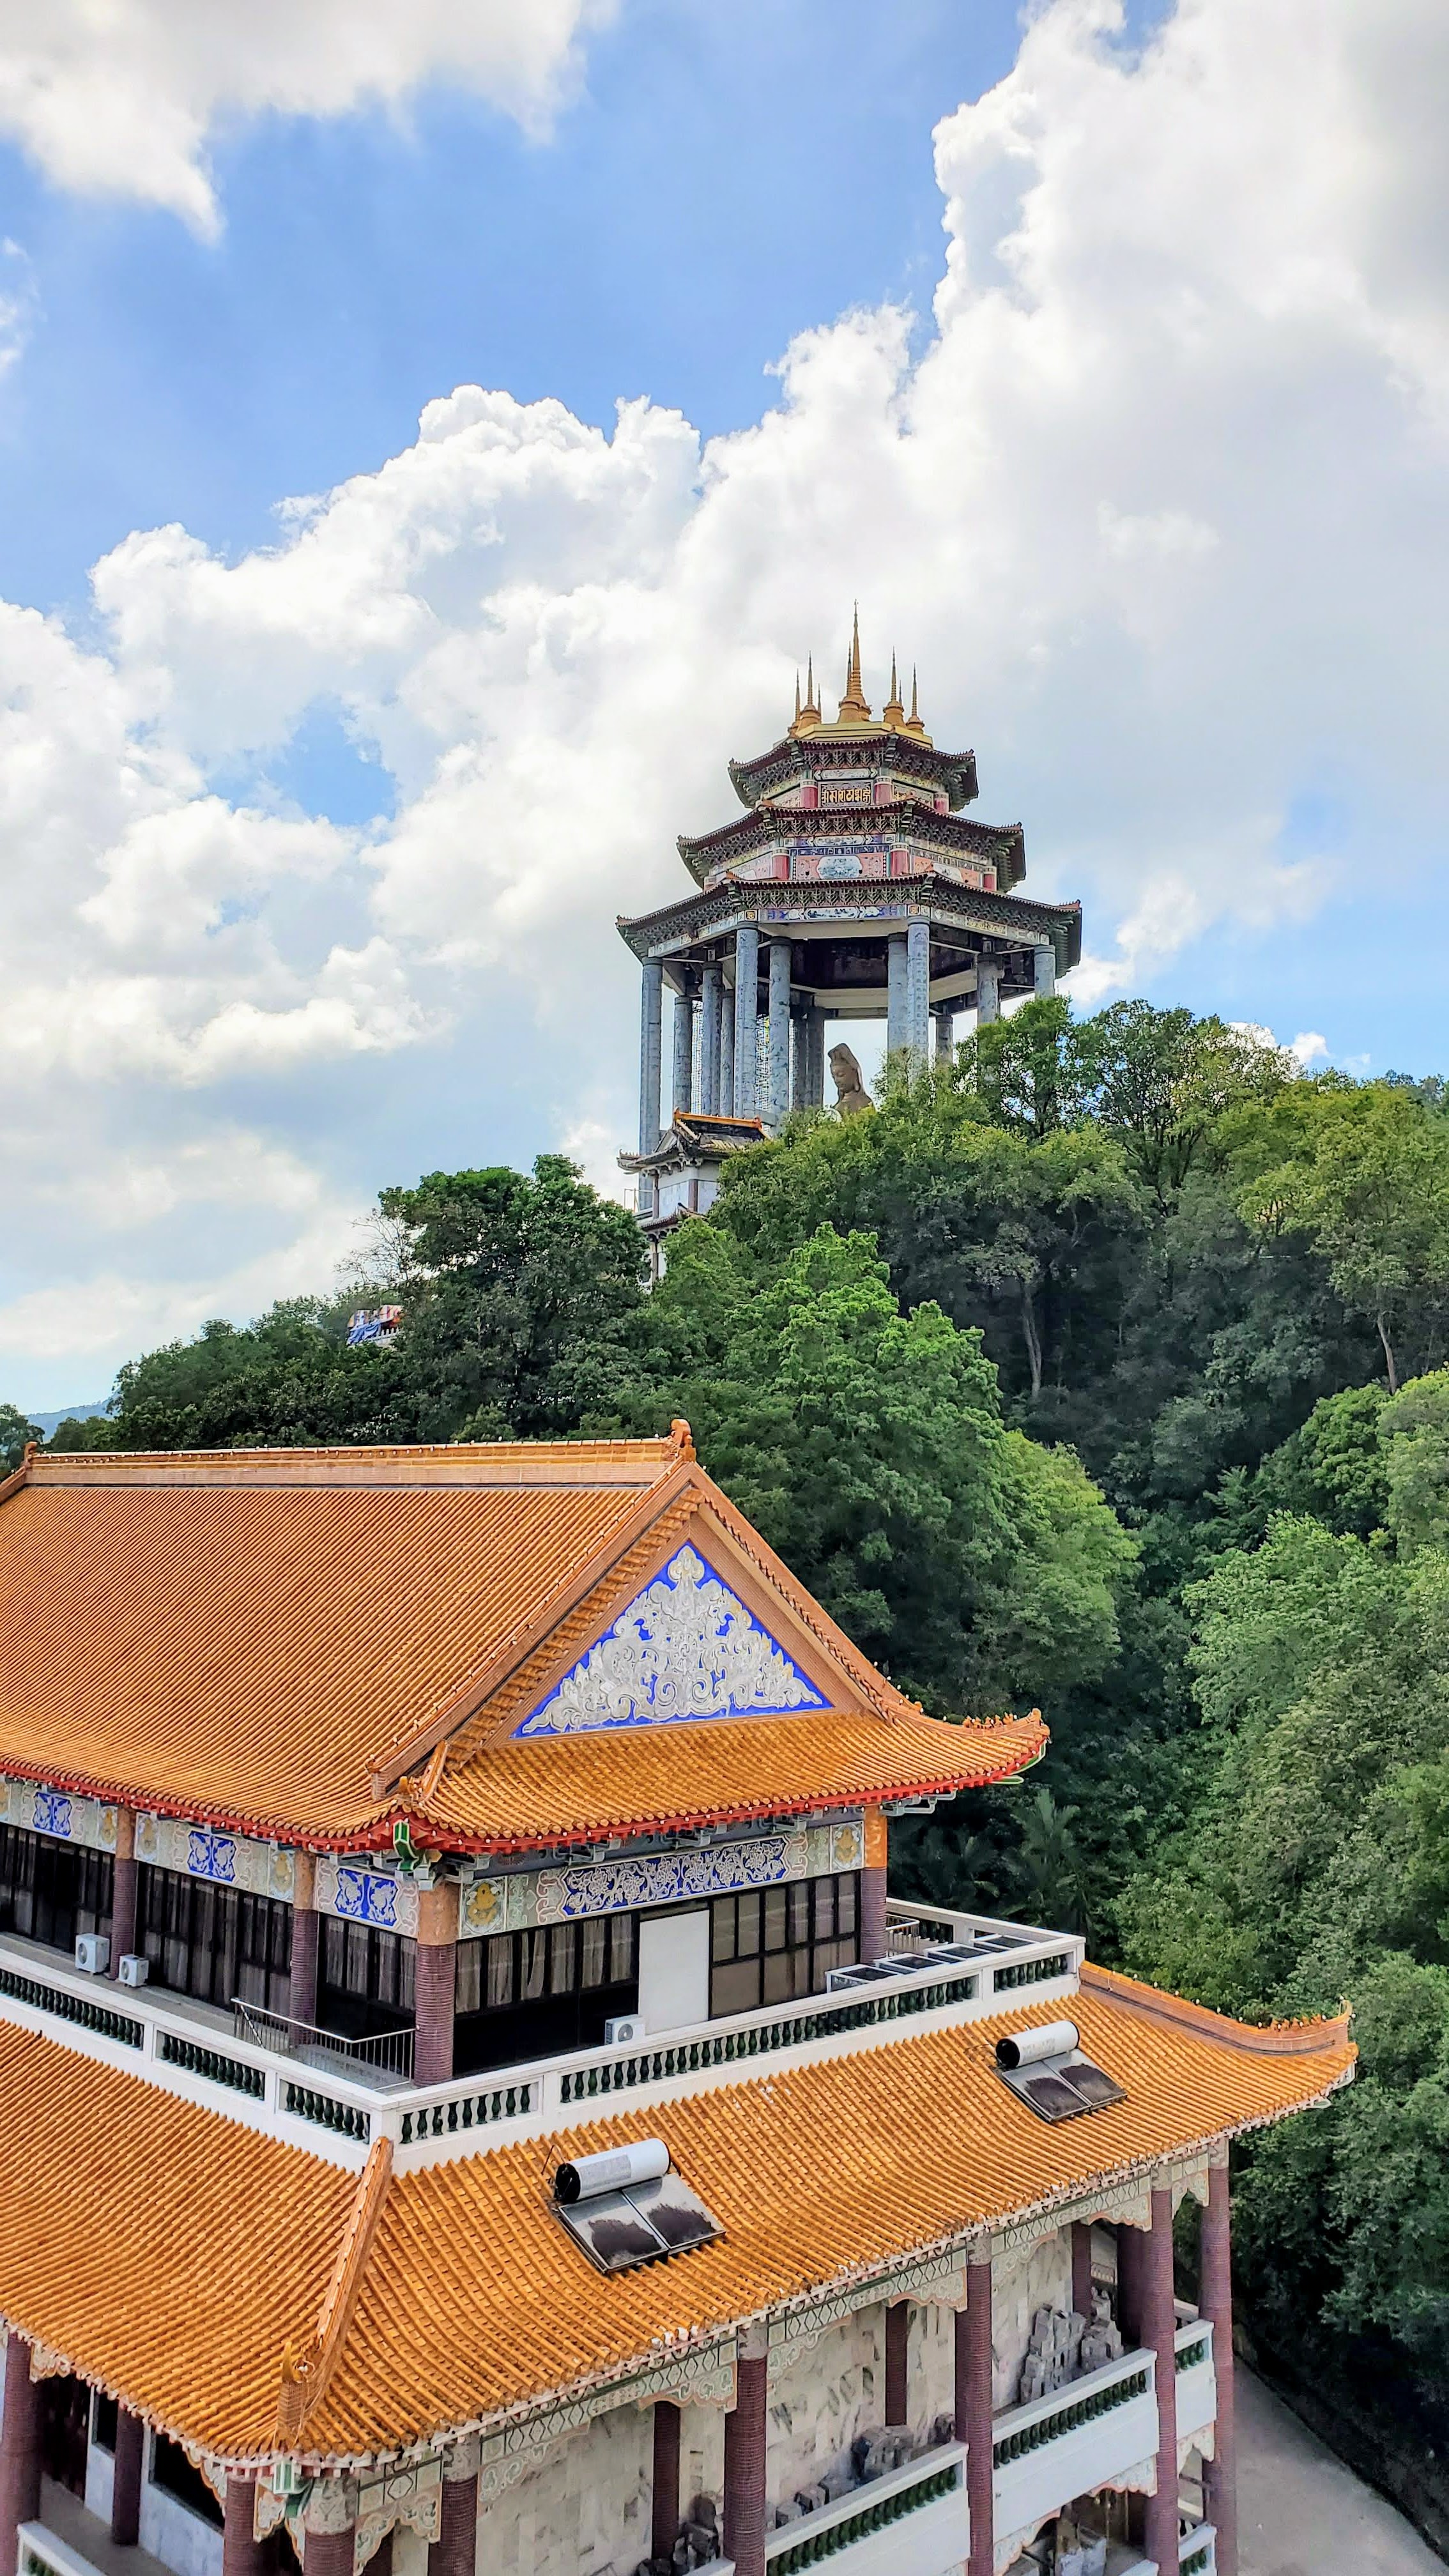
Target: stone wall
(821, 2398)
(1022, 2283)
(585, 2511)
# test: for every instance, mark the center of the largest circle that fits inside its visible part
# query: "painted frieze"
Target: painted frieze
(56, 1812)
(362, 1895)
(685, 1648)
(227, 1860)
(529, 1897)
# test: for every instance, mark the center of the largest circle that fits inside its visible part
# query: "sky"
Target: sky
(432, 433)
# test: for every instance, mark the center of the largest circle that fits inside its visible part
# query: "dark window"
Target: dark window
(365, 1981)
(777, 1943)
(65, 2416)
(540, 1994)
(173, 2473)
(103, 2423)
(51, 1891)
(216, 1943)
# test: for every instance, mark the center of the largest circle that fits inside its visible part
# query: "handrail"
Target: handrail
(391, 2050)
(1019, 2430)
(878, 2500)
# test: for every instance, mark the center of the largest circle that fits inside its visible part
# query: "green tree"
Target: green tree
(287, 1381)
(15, 1432)
(1160, 1081)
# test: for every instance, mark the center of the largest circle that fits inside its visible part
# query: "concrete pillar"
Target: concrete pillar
(455, 2551)
(242, 2554)
(126, 2479)
(1044, 972)
(727, 1055)
(815, 1059)
(665, 2521)
(897, 1034)
(799, 1059)
(988, 991)
(747, 1003)
(436, 1972)
(945, 1039)
(1215, 2299)
(918, 993)
(973, 2413)
(1082, 2269)
(651, 1009)
(682, 1092)
(19, 2449)
(898, 2344)
(1161, 2337)
(777, 1062)
(709, 1015)
(744, 2468)
(125, 1891)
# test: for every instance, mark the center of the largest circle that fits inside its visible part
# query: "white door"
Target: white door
(674, 1970)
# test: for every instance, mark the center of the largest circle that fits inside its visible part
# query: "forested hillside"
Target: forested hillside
(1109, 1372)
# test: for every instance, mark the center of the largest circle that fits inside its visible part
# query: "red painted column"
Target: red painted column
(329, 2553)
(241, 2551)
(744, 2469)
(19, 2448)
(125, 1887)
(306, 1953)
(436, 1970)
(1131, 2301)
(126, 2479)
(1215, 2298)
(973, 2413)
(873, 1937)
(898, 2339)
(455, 2551)
(665, 2522)
(1082, 2270)
(1161, 2337)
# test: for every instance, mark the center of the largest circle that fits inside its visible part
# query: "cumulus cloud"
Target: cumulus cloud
(1157, 505)
(123, 100)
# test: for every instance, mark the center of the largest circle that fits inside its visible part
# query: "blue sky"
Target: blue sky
(317, 825)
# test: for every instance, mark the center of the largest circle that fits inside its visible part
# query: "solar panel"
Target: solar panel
(1049, 2096)
(1090, 2081)
(1057, 2082)
(639, 2224)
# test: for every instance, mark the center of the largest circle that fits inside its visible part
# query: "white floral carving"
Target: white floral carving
(686, 1647)
(621, 1886)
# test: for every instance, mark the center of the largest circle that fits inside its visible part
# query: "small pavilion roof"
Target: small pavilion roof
(169, 2254)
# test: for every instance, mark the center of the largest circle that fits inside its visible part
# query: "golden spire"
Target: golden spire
(797, 697)
(853, 707)
(893, 712)
(913, 724)
(807, 717)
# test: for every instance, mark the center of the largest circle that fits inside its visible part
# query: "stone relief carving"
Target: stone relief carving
(686, 1647)
(611, 1887)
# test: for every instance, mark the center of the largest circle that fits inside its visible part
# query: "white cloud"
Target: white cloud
(1309, 1047)
(123, 99)
(1159, 510)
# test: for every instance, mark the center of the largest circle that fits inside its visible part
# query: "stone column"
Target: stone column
(306, 1940)
(1082, 2269)
(945, 1038)
(918, 993)
(651, 1007)
(777, 1076)
(126, 2479)
(682, 1095)
(897, 964)
(727, 1055)
(125, 1890)
(874, 1938)
(436, 1969)
(988, 991)
(665, 2517)
(747, 1004)
(973, 2413)
(1044, 971)
(815, 1060)
(19, 2448)
(455, 2551)
(799, 1059)
(1160, 2320)
(709, 1017)
(1215, 2298)
(746, 2428)
(897, 2362)
(241, 2552)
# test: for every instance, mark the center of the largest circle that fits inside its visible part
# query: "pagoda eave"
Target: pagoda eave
(870, 905)
(953, 772)
(1001, 845)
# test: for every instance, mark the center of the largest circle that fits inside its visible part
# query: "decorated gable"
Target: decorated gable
(686, 1647)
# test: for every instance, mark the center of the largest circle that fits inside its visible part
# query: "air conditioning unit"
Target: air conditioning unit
(92, 1953)
(132, 1969)
(624, 2030)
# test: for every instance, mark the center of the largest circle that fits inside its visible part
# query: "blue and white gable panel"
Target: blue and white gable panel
(686, 1648)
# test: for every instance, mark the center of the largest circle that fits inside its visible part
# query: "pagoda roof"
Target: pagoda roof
(853, 901)
(1001, 846)
(696, 1136)
(172, 2256)
(315, 1645)
(800, 756)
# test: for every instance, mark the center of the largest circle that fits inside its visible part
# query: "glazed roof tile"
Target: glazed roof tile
(473, 2301)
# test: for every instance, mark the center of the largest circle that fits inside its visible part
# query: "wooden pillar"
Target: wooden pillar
(744, 2469)
(874, 1938)
(973, 2413)
(665, 2521)
(241, 2552)
(1082, 2269)
(125, 1890)
(1160, 2320)
(436, 1972)
(126, 2479)
(897, 2360)
(1215, 2298)
(19, 2449)
(455, 2551)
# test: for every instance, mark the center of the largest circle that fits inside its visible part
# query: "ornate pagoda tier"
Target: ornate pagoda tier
(853, 886)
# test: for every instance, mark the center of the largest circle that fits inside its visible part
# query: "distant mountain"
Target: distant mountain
(48, 1422)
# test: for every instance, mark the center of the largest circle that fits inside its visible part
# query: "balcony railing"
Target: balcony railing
(861, 2535)
(1073, 2441)
(389, 2051)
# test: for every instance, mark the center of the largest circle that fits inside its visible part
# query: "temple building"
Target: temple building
(473, 2104)
(854, 886)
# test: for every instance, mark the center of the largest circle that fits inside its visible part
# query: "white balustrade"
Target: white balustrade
(1078, 2438)
(913, 2521)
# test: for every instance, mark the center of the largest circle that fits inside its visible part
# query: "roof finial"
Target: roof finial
(810, 680)
(797, 697)
(853, 705)
(807, 717)
(913, 724)
(893, 712)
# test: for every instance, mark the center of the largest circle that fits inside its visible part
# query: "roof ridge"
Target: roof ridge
(1271, 2039)
(307, 2369)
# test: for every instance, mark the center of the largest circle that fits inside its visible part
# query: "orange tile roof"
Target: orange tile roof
(272, 1640)
(472, 2300)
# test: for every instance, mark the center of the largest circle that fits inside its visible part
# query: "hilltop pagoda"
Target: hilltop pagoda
(853, 886)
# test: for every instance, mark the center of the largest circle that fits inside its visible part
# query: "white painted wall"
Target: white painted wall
(100, 2479)
(585, 2512)
(176, 2535)
(674, 1970)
